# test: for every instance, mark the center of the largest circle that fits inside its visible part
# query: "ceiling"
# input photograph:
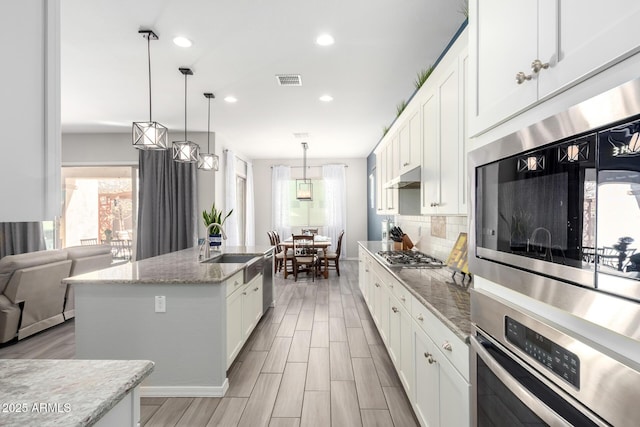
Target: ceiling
(238, 48)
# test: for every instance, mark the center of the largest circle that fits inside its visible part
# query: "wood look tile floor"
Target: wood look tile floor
(316, 359)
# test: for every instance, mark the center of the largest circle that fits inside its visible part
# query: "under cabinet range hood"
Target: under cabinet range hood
(410, 179)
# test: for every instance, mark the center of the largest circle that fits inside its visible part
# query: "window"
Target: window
(99, 203)
(309, 213)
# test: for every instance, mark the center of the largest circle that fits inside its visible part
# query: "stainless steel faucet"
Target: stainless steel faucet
(207, 252)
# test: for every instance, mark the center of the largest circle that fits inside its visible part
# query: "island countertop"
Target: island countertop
(180, 267)
(435, 289)
(65, 392)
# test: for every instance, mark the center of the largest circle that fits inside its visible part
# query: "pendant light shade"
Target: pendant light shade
(149, 135)
(209, 161)
(304, 189)
(185, 151)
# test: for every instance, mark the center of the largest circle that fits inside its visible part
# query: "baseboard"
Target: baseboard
(185, 391)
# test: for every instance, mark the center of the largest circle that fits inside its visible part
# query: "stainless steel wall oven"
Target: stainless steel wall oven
(555, 210)
(526, 371)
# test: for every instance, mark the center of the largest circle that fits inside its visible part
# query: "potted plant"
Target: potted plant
(214, 216)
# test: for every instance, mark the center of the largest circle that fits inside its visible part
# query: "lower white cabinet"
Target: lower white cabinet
(431, 361)
(244, 309)
(441, 393)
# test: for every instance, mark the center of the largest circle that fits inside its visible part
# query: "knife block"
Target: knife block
(405, 245)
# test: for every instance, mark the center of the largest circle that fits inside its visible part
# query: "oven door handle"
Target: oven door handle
(530, 400)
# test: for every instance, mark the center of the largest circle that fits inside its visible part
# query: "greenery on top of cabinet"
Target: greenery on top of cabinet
(400, 107)
(423, 75)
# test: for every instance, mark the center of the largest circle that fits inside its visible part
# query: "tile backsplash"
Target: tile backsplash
(439, 242)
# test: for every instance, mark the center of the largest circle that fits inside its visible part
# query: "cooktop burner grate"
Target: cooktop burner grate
(412, 259)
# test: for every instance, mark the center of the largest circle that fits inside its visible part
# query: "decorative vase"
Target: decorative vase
(215, 239)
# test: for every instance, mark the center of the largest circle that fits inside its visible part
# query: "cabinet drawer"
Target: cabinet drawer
(235, 282)
(403, 295)
(452, 347)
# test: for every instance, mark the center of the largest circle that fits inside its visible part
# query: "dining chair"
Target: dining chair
(278, 264)
(302, 257)
(335, 256)
(88, 242)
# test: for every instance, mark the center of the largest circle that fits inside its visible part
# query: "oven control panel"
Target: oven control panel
(554, 357)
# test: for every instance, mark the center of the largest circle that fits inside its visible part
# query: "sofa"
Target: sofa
(32, 295)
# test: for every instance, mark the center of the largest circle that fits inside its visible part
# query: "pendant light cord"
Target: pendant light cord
(185, 107)
(208, 125)
(149, 57)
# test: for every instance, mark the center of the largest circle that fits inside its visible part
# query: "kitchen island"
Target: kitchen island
(172, 309)
(71, 392)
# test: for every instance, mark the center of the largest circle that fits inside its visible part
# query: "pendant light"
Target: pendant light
(185, 151)
(149, 135)
(209, 161)
(304, 189)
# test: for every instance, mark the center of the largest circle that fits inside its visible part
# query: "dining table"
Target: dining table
(319, 242)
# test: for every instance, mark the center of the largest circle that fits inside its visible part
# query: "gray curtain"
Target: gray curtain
(167, 204)
(21, 237)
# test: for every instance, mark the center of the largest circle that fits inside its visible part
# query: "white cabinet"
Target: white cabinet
(572, 39)
(442, 394)
(431, 361)
(244, 309)
(410, 142)
(443, 136)
(30, 110)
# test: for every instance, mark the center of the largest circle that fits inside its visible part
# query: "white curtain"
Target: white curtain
(231, 224)
(250, 230)
(334, 177)
(281, 203)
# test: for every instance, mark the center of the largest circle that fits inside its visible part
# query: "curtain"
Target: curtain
(21, 237)
(167, 204)
(250, 232)
(230, 200)
(334, 178)
(280, 181)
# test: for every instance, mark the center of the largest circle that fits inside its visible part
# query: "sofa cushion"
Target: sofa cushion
(76, 252)
(11, 263)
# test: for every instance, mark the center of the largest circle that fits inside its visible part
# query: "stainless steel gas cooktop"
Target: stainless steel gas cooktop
(409, 259)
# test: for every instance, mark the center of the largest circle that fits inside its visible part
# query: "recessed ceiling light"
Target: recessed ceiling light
(231, 99)
(326, 98)
(182, 41)
(325, 40)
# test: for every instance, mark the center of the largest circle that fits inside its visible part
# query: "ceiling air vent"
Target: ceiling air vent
(289, 79)
(300, 135)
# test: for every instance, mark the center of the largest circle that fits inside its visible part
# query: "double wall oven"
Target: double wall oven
(555, 215)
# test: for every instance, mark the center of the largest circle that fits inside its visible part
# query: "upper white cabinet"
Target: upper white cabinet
(526, 52)
(30, 110)
(410, 142)
(444, 137)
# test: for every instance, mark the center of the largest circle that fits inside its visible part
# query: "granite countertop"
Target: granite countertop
(65, 392)
(181, 267)
(447, 298)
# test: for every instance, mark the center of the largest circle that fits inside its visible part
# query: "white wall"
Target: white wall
(418, 228)
(356, 176)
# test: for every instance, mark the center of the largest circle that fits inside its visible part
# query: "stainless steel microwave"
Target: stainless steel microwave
(556, 206)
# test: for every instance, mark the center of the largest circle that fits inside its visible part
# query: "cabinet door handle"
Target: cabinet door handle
(377, 285)
(244, 293)
(537, 65)
(420, 318)
(236, 283)
(403, 298)
(405, 164)
(391, 286)
(522, 77)
(255, 289)
(447, 346)
(430, 358)
(434, 204)
(395, 309)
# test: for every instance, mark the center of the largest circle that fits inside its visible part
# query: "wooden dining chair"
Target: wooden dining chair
(278, 264)
(302, 257)
(335, 256)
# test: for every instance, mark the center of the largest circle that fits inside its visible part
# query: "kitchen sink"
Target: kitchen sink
(253, 263)
(232, 258)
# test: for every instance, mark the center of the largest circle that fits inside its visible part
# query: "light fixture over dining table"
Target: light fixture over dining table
(304, 189)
